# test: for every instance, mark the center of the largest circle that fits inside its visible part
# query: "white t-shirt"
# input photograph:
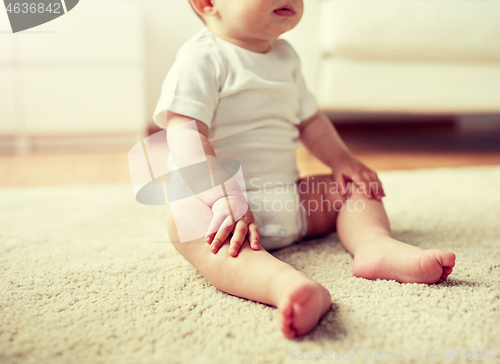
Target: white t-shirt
(251, 102)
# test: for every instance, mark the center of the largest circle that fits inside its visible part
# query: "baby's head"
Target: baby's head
(245, 20)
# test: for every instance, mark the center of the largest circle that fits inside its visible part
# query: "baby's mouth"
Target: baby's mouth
(284, 11)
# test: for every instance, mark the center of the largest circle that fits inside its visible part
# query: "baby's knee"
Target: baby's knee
(332, 200)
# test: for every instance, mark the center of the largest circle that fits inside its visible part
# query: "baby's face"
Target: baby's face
(262, 19)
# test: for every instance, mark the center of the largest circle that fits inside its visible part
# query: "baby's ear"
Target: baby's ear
(203, 7)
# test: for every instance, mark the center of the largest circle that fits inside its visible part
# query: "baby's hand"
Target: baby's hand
(243, 227)
(348, 168)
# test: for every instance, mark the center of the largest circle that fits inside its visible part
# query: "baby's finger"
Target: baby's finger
(376, 186)
(253, 235)
(339, 179)
(373, 187)
(362, 183)
(239, 234)
(221, 236)
(380, 189)
(214, 226)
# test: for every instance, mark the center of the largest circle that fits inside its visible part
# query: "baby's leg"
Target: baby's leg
(259, 276)
(363, 229)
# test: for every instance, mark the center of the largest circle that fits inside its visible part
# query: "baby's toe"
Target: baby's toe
(288, 332)
(286, 310)
(447, 270)
(448, 260)
(444, 276)
(286, 320)
(287, 329)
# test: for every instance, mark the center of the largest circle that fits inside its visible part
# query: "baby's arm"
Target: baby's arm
(234, 200)
(322, 139)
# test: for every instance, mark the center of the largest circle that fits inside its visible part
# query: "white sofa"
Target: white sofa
(404, 56)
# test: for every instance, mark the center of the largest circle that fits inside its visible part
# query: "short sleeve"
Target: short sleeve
(192, 85)
(308, 103)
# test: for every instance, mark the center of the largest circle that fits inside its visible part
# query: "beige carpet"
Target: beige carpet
(82, 281)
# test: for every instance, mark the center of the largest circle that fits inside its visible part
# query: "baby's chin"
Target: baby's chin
(275, 31)
(266, 33)
(283, 27)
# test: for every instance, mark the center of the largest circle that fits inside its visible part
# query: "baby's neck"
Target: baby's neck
(251, 44)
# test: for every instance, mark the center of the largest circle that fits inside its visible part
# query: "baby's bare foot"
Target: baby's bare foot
(303, 302)
(388, 258)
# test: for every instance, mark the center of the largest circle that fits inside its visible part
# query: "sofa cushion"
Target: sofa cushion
(438, 29)
(372, 85)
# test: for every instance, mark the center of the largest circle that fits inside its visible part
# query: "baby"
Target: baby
(243, 89)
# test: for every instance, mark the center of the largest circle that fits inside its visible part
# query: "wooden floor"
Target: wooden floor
(380, 151)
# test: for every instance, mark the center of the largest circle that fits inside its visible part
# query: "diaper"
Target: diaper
(281, 219)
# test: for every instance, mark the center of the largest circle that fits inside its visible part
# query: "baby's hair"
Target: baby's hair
(199, 16)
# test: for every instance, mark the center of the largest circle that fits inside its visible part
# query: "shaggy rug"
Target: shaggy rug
(85, 278)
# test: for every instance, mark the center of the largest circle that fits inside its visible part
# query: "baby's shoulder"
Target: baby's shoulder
(284, 47)
(201, 48)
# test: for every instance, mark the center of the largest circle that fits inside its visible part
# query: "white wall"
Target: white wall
(168, 24)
